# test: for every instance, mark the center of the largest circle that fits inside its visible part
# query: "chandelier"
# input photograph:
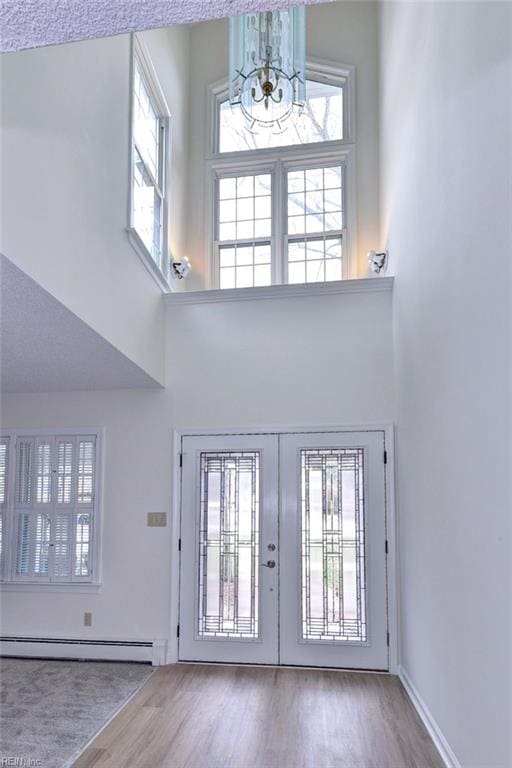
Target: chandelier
(267, 67)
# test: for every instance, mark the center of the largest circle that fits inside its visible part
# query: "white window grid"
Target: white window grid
(326, 237)
(260, 242)
(49, 507)
(279, 241)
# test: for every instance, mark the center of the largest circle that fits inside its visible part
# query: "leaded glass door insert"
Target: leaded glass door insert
(229, 545)
(333, 545)
(283, 555)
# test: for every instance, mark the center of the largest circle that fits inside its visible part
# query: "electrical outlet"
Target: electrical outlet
(87, 619)
(157, 519)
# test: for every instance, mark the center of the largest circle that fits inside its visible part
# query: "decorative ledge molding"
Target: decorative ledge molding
(363, 285)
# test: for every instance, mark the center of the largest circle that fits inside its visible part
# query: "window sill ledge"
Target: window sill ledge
(31, 586)
(363, 285)
(146, 258)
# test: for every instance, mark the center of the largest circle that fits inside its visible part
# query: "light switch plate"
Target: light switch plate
(157, 519)
(87, 619)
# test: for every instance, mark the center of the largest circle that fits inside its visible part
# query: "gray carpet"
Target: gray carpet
(50, 709)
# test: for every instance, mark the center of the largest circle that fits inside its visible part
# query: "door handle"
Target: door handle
(269, 564)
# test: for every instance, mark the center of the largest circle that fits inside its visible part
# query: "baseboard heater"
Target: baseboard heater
(152, 651)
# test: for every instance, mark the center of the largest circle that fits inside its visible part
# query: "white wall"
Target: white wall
(446, 80)
(344, 32)
(299, 361)
(307, 360)
(65, 182)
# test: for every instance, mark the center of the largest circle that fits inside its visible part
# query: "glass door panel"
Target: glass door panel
(229, 545)
(228, 597)
(333, 512)
(332, 538)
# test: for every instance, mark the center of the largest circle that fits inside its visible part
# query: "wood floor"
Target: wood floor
(200, 716)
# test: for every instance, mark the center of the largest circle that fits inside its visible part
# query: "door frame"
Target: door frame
(388, 431)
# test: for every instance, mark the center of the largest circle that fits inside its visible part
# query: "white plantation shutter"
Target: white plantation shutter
(41, 544)
(54, 508)
(24, 479)
(23, 548)
(4, 462)
(86, 463)
(62, 546)
(82, 543)
(43, 472)
(64, 471)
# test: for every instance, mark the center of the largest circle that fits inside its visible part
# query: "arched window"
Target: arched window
(282, 203)
(321, 120)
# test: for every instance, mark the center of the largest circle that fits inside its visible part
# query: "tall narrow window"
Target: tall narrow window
(150, 126)
(315, 224)
(244, 230)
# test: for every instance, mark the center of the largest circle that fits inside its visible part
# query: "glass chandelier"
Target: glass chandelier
(267, 67)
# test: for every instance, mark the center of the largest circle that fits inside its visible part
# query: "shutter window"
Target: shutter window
(53, 507)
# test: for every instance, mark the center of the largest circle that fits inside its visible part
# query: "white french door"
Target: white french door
(283, 555)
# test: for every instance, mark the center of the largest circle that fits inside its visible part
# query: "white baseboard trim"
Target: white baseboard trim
(447, 754)
(153, 651)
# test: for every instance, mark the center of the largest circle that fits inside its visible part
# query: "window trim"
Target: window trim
(277, 160)
(139, 55)
(8, 580)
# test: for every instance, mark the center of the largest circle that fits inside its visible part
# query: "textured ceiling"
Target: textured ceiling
(46, 348)
(33, 23)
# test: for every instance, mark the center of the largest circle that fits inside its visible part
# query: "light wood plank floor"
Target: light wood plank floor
(200, 716)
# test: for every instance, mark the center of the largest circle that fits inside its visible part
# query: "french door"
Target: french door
(283, 556)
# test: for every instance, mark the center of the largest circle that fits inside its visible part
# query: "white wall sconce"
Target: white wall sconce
(377, 261)
(181, 268)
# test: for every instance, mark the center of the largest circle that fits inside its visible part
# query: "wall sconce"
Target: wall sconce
(377, 260)
(181, 268)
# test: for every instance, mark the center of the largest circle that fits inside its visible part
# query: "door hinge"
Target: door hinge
(178, 631)
(181, 459)
(386, 547)
(179, 545)
(387, 639)
(385, 457)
